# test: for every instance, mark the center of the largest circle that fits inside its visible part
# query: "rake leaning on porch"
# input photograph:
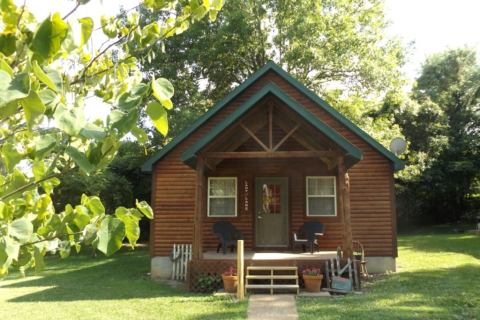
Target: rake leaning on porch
(268, 157)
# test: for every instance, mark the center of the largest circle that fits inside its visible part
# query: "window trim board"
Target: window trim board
(222, 197)
(307, 196)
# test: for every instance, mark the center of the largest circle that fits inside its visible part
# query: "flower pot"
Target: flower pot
(230, 283)
(312, 283)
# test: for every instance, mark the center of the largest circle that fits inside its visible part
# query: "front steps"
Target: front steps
(272, 278)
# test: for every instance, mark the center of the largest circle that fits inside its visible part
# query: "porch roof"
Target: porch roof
(396, 162)
(352, 153)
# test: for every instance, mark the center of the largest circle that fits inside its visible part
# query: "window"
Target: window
(222, 197)
(321, 196)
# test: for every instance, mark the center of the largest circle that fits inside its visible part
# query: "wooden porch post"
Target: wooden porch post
(344, 200)
(199, 210)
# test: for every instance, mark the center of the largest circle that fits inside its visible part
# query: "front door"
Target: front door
(271, 207)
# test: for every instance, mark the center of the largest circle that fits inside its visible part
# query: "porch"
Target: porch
(272, 256)
(268, 169)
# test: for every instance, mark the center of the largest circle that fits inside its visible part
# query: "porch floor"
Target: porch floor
(257, 256)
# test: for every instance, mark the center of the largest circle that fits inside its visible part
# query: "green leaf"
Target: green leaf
(6, 67)
(87, 27)
(162, 90)
(80, 159)
(217, 4)
(11, 157)
(69, 120)
(44, 144)
(64, 249)
(56, 77)
(110, 235)
(13, 89)
(82, 218)
(91, 131)
(159, 116)
(22, 229)
(95, 205)
(9, 250)
(145, 208)
(8, 43)
(127, 101)
(49, 36)
(140, 134)
(38, 254)
(90, 234)
(43, 77)
(212, 15)
(132, 229)
(39, 169)
(33, 108)
(108, 26)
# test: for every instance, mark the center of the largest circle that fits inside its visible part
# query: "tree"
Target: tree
(337, 48)
(46, 74)
(442, 123)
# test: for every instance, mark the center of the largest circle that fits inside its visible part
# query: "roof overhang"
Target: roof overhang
(397, 164)
(352, 153)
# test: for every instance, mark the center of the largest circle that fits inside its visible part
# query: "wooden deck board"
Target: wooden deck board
(258, 256)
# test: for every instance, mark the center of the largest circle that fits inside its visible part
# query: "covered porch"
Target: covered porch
(272, 256)
(271, 145)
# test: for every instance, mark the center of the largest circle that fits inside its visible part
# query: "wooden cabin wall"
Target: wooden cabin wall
(371, 180)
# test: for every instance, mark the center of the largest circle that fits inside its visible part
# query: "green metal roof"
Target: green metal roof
(190, 155)
(397, 163)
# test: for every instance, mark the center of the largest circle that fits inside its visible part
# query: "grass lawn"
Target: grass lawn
(105, 288)
(438, 278)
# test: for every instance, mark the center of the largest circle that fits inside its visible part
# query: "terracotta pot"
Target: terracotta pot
(312, 283)
(230, 283)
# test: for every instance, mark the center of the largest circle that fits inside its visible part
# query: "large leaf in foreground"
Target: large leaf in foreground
(159, 116)
(162, 89)
(110, 235)
(49, 36)
(22, 229)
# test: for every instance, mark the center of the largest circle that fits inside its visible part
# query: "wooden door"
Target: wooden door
(271, 212)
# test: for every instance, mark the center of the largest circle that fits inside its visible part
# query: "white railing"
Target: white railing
(181, 255)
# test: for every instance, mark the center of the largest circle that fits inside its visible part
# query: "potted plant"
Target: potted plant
(230, 280)
(312, 277)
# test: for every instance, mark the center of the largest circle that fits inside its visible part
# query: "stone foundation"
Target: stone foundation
(377, 265)
(161, 268)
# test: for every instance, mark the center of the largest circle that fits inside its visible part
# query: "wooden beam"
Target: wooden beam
(344, 201)
(281, 142)
(270, 126)
(270, 154)
(254, 137)
(199, 210)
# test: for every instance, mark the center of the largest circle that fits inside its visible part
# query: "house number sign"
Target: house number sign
(245, 195)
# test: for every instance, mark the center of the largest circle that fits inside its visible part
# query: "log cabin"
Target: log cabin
(273, 136)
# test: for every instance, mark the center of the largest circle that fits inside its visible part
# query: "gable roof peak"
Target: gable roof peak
(270, 65)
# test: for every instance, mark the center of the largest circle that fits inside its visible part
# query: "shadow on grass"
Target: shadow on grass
(123, 276)
(441, 294)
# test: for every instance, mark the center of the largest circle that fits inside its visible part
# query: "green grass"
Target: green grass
(81, 287)
(438, 278)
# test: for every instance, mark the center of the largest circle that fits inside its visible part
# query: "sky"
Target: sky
(427, 26)
(433, 26)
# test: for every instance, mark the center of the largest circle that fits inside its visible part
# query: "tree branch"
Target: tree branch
(50, 239)
(72, 11)
(28, 186)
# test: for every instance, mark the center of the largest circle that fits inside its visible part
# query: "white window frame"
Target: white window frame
(220, 197)
(321, 196)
